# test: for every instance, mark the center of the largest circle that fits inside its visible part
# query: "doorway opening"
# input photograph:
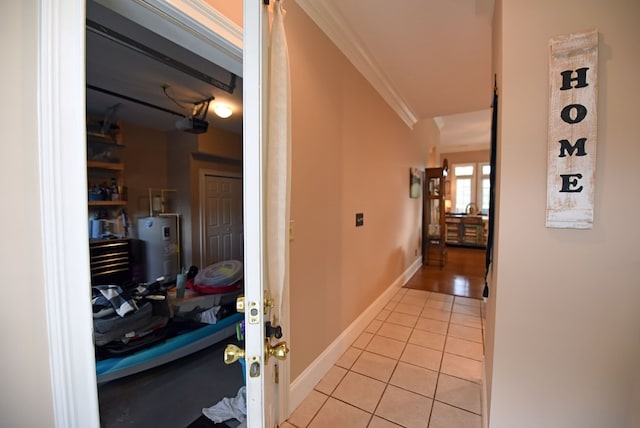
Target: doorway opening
(463, 208)
(153, 104)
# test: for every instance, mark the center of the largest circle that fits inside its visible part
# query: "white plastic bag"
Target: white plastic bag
(229, 408)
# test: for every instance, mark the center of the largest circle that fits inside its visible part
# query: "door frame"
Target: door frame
(62, 152)
(201, 207)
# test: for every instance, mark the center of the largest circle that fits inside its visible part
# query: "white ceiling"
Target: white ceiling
(427, 58)
(464, 131)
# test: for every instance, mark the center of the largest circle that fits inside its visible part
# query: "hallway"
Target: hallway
(418, 364)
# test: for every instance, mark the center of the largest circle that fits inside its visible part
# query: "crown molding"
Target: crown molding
(207, 32)
(337, 29)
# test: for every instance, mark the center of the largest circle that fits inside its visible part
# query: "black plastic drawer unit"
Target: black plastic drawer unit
(110, 261)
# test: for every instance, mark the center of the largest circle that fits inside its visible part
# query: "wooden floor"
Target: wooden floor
(463, 275)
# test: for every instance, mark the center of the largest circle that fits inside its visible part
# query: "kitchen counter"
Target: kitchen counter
(462, 215)
(466, 230)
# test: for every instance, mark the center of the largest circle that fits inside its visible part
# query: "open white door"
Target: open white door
(254, 135)
(267, 371)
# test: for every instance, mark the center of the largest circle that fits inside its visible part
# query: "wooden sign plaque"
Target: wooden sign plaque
(572, 136)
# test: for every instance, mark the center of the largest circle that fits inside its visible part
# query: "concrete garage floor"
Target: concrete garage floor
(172, 395)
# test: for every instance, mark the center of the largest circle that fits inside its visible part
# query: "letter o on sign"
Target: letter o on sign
(580, 113)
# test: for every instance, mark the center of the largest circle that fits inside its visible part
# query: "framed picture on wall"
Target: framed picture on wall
(415, 182)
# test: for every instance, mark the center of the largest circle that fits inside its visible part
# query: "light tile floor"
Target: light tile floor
(418, 364)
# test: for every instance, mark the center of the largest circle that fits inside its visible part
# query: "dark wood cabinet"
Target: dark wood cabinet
(110, 261)
(434, 249)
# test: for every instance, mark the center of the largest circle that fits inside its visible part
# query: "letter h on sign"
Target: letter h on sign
(572, 133)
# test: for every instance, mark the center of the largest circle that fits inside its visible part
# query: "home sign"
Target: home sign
(572, 137)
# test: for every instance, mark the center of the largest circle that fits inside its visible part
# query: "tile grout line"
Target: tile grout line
(439, 372)
(397, 360)
(457, 377)
(395, 367)
(330, 395)
(435, 391)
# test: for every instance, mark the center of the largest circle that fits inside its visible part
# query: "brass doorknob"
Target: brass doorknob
(232, 354)
(279, 351)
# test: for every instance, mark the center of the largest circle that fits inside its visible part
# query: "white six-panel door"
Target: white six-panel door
(221, 204)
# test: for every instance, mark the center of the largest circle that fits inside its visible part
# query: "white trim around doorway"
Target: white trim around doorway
(63, 198)
(63, 205)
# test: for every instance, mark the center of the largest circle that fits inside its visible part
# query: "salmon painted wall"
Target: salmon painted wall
(350, 154)
(563, 318)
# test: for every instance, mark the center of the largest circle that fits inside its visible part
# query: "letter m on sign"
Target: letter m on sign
(572, 133)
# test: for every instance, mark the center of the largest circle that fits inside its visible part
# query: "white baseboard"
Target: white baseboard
(309, 378)
(483, 396)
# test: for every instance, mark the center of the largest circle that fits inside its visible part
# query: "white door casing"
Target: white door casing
(221, 236)
(63, 210)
